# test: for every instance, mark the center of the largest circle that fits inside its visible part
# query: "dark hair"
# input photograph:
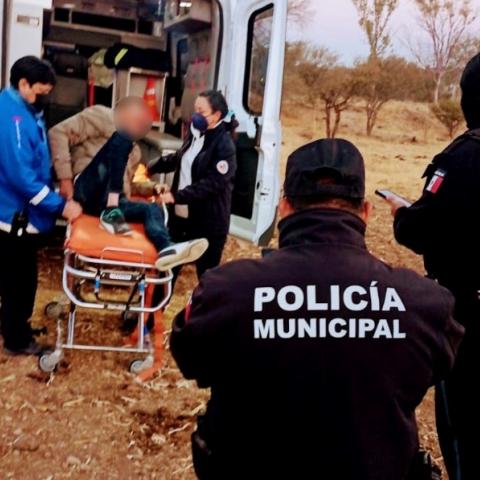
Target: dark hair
(33, 70)
(219, 104)
(216, 100)
(352, 205)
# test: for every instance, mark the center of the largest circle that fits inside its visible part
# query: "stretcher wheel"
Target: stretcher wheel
(53, 311)
(136, 366)
(48, 362)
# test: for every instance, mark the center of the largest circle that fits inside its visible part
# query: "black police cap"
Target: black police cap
(330, 167)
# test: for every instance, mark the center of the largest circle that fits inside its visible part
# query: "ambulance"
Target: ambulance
(173, 49)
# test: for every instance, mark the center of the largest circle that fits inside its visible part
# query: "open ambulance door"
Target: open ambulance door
(250, 74)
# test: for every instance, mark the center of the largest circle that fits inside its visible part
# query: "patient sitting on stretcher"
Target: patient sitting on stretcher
(99, 189)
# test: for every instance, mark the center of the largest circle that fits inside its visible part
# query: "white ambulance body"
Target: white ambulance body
(236, 46)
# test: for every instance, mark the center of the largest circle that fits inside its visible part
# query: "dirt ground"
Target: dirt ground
(90, 420)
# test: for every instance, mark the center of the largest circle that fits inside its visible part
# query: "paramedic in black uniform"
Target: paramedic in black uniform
(443, 226)
(204, 167)
(318, 354)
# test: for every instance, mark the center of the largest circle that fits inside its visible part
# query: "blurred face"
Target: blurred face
(30, 93)
(135, 120)
(203, 107)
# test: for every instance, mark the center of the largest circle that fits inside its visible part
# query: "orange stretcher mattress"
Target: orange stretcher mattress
(89, 239)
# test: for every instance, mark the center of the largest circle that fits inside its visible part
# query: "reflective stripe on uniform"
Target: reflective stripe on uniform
(5, 227)
(31, 229)
(120, 55)
(41, 195)
(17, 130)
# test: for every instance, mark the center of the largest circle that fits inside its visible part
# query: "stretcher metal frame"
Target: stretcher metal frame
(138, 275)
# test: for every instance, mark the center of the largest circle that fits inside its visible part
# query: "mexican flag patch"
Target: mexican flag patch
(436, 181)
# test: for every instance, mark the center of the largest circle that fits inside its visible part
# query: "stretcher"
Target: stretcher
(117, 273)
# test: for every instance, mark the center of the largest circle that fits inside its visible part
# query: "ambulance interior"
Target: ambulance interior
(167, 51)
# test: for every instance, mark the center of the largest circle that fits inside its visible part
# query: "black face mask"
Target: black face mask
(41, 102)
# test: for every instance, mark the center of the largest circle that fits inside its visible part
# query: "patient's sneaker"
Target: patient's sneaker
(113, 221)
(180, 253)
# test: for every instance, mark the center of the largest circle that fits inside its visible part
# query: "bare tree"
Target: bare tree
(445, 23)
(312, 65)
(337, 90)
(374, 18)
(379, 82)
(326, 84)
(300, 12)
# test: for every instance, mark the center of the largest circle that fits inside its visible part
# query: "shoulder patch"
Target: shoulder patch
(223, 167)
(436, 181)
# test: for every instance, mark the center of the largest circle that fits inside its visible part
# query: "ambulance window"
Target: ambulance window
(258, 48)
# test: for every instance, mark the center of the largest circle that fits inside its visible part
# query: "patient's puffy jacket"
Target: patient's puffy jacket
(25, 178)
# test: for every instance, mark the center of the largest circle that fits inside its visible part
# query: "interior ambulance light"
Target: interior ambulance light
(185, 4)
(68, 5)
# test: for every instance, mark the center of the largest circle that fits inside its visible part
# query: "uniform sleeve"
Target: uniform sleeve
(20, 173)
(218, 177)
(419, 226)
(200, 332)
(449, 339)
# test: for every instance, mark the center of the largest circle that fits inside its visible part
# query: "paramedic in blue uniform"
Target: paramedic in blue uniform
(318, 354)
(28, 206)
(204, 169)
(443, 226)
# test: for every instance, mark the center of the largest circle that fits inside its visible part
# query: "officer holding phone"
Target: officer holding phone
(443, 227)
(318, 354)
(28, 206)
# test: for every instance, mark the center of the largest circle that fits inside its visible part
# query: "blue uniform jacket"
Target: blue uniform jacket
(25, 178)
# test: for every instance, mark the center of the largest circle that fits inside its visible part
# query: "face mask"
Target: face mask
(199, 122)
(41, 102)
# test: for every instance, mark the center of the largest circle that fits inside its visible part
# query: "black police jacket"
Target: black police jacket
(209, 197)
(317, 356)
(443, 224)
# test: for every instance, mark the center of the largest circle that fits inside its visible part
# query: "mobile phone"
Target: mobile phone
(386, 194)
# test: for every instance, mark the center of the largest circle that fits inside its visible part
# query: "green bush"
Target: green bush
(449, 113)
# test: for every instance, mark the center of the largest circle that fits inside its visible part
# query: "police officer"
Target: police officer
(28, 206)
(443, 227)
(204, 169)
(318, 354)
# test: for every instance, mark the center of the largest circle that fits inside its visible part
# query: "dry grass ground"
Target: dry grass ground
(91, 421)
